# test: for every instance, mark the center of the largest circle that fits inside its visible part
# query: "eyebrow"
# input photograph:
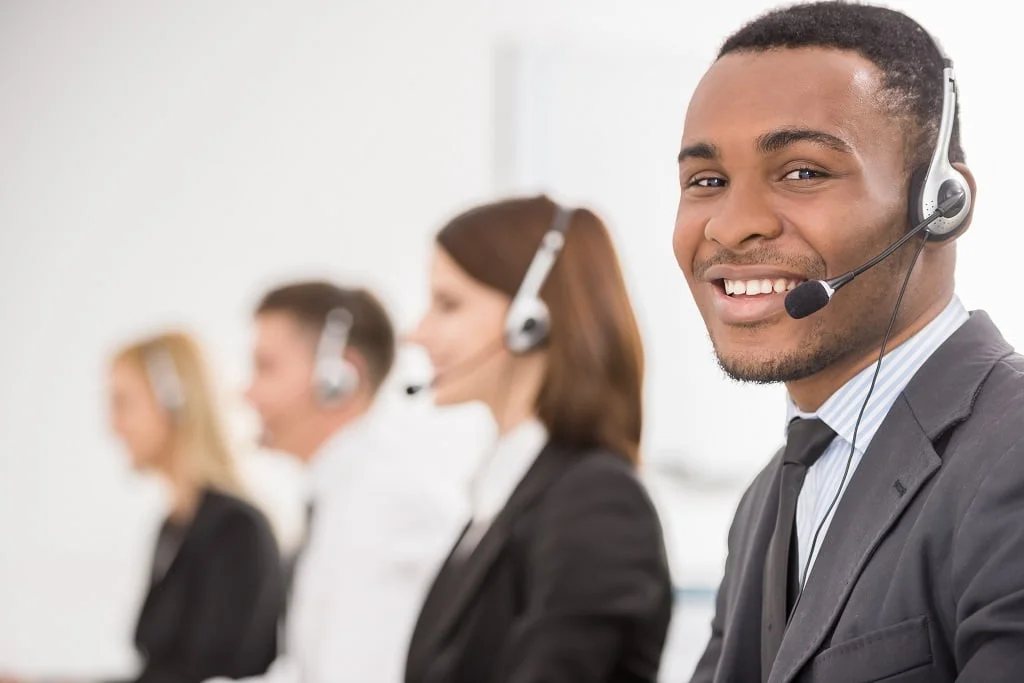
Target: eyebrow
(700, 150)
(777, 140)
(772, 142)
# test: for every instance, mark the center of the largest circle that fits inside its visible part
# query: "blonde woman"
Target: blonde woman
(216, 590)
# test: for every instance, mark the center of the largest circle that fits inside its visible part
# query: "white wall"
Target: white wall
(162, 163)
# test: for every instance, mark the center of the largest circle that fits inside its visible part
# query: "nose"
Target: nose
(744, 214)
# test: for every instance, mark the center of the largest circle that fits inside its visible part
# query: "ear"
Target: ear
(357, 361)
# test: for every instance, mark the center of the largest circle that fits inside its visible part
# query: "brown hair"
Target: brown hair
(199, 439)
(372, 334)
(593, 390)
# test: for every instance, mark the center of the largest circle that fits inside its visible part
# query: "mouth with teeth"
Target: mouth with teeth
(757, 287)
(750, 299)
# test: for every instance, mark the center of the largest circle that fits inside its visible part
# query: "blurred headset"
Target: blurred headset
(528, 321)
(335, 378)
(163, 377)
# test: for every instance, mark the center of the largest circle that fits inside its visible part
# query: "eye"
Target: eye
(707, 181)
(804, 174)
(445, 304)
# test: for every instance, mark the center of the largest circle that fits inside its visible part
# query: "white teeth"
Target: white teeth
(760, 286)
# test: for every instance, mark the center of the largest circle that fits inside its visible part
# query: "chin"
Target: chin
(444, 398)
(767, 363)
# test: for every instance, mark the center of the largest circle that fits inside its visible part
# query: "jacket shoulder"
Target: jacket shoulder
(228, 515)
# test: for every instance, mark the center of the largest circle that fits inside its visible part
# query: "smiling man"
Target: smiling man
(886, 539)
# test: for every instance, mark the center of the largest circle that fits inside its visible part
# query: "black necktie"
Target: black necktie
(306, 531)
(289, 564)
(805, 443)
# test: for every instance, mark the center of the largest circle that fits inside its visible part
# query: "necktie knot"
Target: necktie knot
(806, 441)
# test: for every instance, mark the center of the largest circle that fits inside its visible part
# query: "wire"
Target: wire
(860, 416)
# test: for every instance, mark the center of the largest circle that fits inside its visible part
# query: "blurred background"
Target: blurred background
(163, 163)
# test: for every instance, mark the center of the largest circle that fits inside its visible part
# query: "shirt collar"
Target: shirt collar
(841, 409)
(502, 471)
(338, 453)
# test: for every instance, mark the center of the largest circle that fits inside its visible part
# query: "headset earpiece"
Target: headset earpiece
(528, 321)
(164, 379)
(938, 181)
(527, 325)
(334, 377)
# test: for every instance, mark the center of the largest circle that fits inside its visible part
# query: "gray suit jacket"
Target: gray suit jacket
(920, 577)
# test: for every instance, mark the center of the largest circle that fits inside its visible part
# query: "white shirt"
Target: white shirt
(499, 475)
(384, 521)
(840, 413)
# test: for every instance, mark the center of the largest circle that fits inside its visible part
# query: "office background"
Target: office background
(162, 163)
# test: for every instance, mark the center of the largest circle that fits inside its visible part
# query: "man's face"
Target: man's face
(281, 389)
(790, 169)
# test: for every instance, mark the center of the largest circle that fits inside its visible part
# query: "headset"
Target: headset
(938, 205)
(939, 181)
(164, 379)
(335, 378)
(528, 321)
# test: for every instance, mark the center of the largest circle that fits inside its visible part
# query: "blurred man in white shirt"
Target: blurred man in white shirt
(381, 520)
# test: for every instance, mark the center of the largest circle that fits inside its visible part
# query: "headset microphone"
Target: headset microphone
(471, 363)
(812, 296)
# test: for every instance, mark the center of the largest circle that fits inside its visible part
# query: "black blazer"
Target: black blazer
(920, 578)
(570, 583)
(215, 610)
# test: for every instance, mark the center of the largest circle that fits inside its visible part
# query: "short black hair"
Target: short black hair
(908, 57)
(309, 303)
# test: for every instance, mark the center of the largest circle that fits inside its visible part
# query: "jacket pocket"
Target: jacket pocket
(903, 648)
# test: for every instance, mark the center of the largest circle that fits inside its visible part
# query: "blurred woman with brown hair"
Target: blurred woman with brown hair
(561, 574)
(216, 589)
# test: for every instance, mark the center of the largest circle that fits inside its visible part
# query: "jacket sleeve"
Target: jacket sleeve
(708, 662)
(988, 577)
(596, 571)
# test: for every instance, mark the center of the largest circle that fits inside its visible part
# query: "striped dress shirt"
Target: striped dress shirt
(840, 413)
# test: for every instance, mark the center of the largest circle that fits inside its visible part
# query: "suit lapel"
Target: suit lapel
(435, 604)
(899, 461)
(468, 578)
(896, 465)
(197, 528)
